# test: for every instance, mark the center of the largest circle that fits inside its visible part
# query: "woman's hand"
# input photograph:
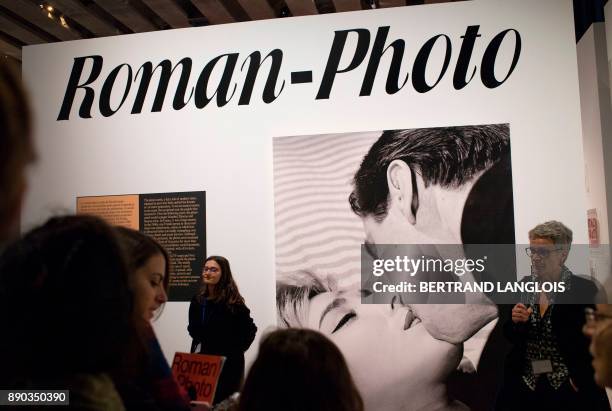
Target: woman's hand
(574, 387)
(520, 313)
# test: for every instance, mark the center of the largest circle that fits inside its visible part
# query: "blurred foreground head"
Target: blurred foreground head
(64, 301)
(601, 348)
(16, 147)
(299, 370)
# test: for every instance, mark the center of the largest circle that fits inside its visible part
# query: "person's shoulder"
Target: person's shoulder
(583, 283)
(239, 305)
(582, 290)
(583, 280)
(239, 308)
(94, 392)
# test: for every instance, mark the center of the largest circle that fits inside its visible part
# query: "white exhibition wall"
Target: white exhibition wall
(590, 75)
(596, 127)
(227, 151)
(608, 24)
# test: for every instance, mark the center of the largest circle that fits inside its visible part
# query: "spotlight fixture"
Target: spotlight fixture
(47, 9)
(54, 14)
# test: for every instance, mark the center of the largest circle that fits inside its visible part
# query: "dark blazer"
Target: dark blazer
(567, 322)
(227, 331)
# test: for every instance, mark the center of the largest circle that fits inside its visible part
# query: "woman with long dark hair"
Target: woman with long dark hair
(220, 323)
(66, 312)
(146, 382)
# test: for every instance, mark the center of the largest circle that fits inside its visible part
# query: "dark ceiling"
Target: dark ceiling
(24, 22)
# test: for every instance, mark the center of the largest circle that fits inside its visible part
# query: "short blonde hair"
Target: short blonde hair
(555, 231)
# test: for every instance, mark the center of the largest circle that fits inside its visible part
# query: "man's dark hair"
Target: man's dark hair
(448, 156)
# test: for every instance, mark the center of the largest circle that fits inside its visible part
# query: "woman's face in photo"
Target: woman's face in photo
(148, 287)
(392, 357)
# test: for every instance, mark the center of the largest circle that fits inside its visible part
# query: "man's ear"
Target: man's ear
(401, 191)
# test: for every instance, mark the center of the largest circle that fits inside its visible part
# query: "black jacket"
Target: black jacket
(227, 331)
(567, 322)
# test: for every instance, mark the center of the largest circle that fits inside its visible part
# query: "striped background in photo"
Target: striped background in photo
(315, 227)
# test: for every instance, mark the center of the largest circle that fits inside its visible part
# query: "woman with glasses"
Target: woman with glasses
(220, 324)
(549, 366)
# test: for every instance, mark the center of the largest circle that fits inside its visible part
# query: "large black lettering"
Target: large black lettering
(463, 61)
(201, 99)
(255, 63)
(487, 68)
(420, 64)
(107, 89)
(378, 49)
(73, 85)
(162, 87)
(333, 61)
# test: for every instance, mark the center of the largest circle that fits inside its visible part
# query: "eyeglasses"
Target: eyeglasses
(210, 270)
(593, 317)
(539, 251)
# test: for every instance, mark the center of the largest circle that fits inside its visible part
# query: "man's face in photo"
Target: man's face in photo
(390, 230)
(431, 224)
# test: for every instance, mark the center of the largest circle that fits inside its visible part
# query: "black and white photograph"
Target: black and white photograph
(425, 187)
(334, 140)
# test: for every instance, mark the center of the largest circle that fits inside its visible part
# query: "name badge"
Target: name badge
(541, 366)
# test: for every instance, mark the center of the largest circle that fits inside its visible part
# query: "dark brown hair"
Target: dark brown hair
(447, 156)
(226, 290)
(16, 146)
(139, 248)
(64, 297)
(299, 370)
